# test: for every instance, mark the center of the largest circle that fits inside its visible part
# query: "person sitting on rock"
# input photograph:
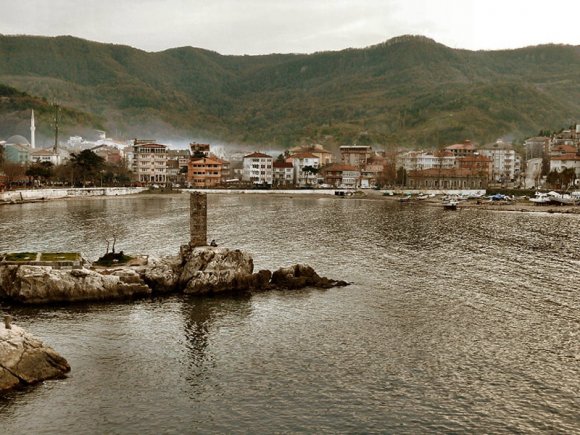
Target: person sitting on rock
(213, 243)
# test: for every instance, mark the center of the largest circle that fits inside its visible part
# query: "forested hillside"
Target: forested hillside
(407, 91)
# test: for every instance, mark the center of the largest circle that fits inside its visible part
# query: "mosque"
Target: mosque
(17, 149)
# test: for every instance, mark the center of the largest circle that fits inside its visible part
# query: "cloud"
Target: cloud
(267, 26)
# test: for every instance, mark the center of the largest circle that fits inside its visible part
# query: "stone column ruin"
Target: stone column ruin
(198, 219)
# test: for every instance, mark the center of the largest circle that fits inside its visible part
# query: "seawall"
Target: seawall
(46, 194)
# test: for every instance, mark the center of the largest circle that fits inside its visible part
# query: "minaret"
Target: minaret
(32, 131)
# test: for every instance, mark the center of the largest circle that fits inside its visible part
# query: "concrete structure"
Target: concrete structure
(476, 163)
(301, 161)
(258, 168)
(444, 179)
(16, 153)
(420, 160)
(566, 161)
(533, 173)
(356, 155)
(325, 157)
(505, 162)
(207, 172)
(282, 174)
(536, 147)
(149, 163)
(45, 155)
(343, 176)
(462, 149)
(198, 219)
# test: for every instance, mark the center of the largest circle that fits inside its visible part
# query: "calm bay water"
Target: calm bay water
(462, 321)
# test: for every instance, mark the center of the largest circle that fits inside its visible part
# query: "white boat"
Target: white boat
(565, 199)
(541, 198)
(450, 204)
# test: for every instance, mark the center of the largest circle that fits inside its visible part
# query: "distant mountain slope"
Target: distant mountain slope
(15, 111)
(408, 90)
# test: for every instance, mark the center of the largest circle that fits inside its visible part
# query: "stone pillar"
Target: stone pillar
(198, 219)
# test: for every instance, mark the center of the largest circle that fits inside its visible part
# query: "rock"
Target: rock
(197, 270)
(211, 269)
(42, 284)
(300, 276)
(161, 275)
(26, 360)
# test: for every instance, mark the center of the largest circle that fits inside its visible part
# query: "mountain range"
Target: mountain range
(408, 91)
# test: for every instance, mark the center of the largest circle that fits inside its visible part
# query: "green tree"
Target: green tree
(88, 165)
(40, 171)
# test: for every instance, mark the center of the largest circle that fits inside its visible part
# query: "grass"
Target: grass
(20, 256)
(60, 256)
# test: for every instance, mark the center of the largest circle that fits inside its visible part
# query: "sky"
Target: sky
(295, 26)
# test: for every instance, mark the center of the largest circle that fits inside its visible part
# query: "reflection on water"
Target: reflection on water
(456, 322)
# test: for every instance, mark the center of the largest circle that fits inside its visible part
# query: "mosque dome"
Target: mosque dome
(17, 140)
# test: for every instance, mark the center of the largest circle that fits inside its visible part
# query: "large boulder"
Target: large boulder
(42, 284)
(25, 360)
(210, 269)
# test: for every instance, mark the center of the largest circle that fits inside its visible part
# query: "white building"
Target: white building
(302, 161)
(43, 155)
(149, 163)
(257, 168)
(565, 161)
(419, 160)
(505, 162)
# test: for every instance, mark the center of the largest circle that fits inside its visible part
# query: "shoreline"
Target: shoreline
(522, 205)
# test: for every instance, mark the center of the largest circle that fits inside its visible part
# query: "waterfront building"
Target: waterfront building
(566, 161)
(446, 179)
(257, 168)
(306, 166)
(420, 160)
(282, 174)
(371, 172)
(341, 175)
(207, 172)
(505, 161)
(149, 162)
(476, 163)
(325, 157)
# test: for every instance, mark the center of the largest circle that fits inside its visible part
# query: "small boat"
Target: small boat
(450, 205)
(541, 198)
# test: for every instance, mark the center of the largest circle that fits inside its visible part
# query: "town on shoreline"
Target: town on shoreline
(549, 162)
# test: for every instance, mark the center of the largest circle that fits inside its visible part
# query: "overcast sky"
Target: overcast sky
(295, 26)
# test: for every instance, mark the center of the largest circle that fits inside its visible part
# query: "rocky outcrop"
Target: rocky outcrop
(26, 360)
(42, 284)
(196, 270)
(213, 270)
(300, 276)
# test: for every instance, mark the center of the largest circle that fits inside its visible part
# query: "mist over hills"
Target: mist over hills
(408, 91)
